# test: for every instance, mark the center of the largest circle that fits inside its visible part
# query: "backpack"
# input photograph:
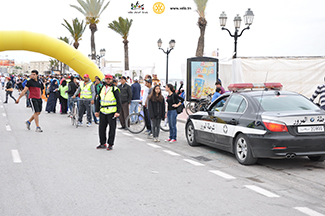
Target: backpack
(180, 108)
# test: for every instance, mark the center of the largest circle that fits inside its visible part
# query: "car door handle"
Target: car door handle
(232, 122)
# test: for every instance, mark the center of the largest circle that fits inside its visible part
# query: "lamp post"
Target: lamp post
(248, 18)
(171, 47)
(102, 53)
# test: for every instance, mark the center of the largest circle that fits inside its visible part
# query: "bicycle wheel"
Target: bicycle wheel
(191, 107)
(164, 125)
(76, 115)
(135, 123)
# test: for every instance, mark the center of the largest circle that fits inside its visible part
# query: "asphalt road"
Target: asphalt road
(60, 172)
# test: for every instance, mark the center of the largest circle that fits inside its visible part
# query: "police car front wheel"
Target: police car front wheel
(190, 134)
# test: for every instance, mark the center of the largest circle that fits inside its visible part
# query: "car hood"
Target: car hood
(303, 117)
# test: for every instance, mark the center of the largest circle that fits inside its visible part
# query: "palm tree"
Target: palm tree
(76, 30)
(122, 27)
(53, 64)
(91, 9)
(65, 39)
(201, 4)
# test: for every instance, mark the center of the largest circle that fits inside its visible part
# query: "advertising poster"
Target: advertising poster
(202, 73)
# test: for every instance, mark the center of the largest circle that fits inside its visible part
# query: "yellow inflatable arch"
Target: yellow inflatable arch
(41, 43)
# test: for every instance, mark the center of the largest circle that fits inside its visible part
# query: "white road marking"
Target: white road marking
(222, 174)
(139, 139)
(127, 134)
(261, 191)
(308, 211)
(4, 114)
(15, 156)
(171, 153)
(8, 128)
(153, 145)
(193, 162)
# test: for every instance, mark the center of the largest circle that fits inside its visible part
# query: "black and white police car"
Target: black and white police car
(262, 123)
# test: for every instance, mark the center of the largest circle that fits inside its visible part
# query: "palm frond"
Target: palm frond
(91, 9)
(201, 5)
(122, 27)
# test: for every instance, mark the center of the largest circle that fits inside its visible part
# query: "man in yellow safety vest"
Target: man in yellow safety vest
(87, 96)
(108, 106)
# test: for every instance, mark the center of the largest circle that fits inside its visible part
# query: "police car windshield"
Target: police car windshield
(285, 103)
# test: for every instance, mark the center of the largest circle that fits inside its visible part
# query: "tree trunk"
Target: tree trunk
(76, 44)
(200, 45)
(93, 28)
(126, 55)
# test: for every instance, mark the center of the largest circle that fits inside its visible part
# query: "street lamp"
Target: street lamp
(248, 18)
(171, 47)
(102, 53)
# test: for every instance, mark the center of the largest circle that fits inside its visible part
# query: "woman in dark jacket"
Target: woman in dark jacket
(156, 108)
(51, 101)
(9, 89)
(173, 101)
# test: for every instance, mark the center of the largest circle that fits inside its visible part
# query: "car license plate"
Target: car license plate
(310, 129)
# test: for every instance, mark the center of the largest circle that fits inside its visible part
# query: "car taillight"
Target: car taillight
(276, 127)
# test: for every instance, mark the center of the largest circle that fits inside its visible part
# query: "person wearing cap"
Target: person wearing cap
(126, 97)
(108, 107)
(72, 88)
(87, 96)
(136, 91)
(9, 89)
(148, 85)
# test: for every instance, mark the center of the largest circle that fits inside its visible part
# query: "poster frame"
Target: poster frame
(189, 74)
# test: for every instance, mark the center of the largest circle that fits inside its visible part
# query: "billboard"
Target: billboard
(6, 62)
(202, 74)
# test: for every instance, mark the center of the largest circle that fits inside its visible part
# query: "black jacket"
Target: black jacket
(9, 85)
(126, 93)
(72, 88)
(156, 109)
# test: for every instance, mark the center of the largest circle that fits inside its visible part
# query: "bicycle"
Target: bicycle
(74, 114)
(135, 123)
(200, 105)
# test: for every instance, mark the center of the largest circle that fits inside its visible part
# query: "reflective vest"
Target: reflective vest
(85, 92)
(63, 92)
(108, 100)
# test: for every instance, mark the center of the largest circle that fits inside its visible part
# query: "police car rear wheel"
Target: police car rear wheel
(317, 158)
(243, 150)
(190, 134)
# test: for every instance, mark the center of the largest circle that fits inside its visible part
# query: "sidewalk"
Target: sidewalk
(182, 117)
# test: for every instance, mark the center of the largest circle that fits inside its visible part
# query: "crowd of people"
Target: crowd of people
(103, 101)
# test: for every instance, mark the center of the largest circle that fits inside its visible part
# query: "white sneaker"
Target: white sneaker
(157, 140)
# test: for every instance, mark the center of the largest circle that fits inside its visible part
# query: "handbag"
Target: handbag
(180, 108)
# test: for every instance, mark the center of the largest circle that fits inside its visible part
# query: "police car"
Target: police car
(262, 123)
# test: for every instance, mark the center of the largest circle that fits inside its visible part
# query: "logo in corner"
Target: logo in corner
(137, 6)
(158, 8)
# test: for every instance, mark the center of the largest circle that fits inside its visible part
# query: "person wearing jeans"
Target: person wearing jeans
(156, 107)
(173, 101)
(136, 91)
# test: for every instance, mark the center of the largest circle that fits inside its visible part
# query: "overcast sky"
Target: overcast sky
(280, 28)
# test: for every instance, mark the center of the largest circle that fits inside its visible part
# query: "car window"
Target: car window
(242, 106)
(285, 103)
(219, 103)
(234, 104)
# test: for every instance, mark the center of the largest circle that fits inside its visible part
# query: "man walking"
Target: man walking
(148, 84)
(87, 96)
(35, 87)
(108, 107)
(321, 92)
(126, 96)
(72, 88)
(9, 89)
(136, 90)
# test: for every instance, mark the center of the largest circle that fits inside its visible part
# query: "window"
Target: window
(219, 103)
(286, 103)
(236, 104)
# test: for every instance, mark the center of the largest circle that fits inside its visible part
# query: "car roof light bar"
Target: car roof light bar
(252, 86)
